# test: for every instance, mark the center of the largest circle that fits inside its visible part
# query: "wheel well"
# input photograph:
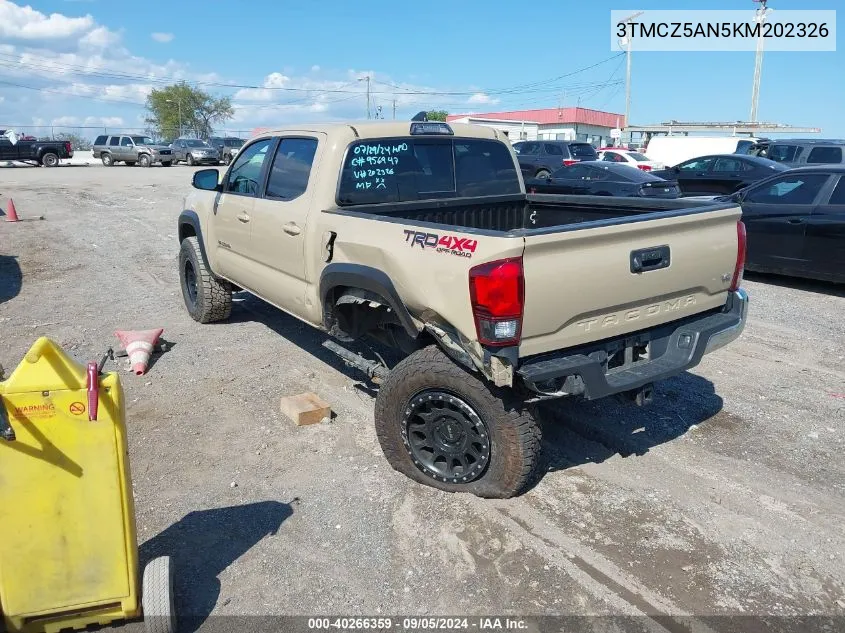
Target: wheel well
(351, 313)
(185, 231)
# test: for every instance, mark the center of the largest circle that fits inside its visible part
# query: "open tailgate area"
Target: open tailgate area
(581, 285)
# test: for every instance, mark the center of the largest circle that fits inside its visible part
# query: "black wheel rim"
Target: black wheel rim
(191, 283)
(445, 437)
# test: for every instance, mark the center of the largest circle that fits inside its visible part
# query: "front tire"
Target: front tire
(107, 159)
(207, 298)
(190, 161)
(50, 159)
(227, 159)
(445, 427)
(144, 160)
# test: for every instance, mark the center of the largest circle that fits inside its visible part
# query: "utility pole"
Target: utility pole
(759, 18)
(625, 43)
(367, 79)
(394, 108)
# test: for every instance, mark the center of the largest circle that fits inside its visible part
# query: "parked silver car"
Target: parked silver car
(131, 149)
(194, 152)
(228, 146)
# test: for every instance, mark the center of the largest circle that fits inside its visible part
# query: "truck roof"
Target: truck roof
(378, 129)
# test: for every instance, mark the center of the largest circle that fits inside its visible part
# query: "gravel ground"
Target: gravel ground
(725, 498)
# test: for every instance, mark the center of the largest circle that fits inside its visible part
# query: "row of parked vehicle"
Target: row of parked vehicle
(138, 149)
(795, 216)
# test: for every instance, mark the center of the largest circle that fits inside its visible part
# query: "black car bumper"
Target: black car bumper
(631, 362)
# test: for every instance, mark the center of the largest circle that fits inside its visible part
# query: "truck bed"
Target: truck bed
(532, 213)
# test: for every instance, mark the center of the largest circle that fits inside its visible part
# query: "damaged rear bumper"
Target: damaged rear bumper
(627, 363)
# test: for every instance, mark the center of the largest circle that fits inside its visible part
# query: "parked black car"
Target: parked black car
(46, 153)
(720, 174)
(795, 223)
(538, 159)
(600, 178)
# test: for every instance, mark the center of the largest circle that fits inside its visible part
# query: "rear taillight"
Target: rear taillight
(644, 167)
(740, 255)
(68, 148)
(497, 293)
(569, 161)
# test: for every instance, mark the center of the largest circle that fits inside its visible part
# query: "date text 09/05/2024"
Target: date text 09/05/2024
(418, 624)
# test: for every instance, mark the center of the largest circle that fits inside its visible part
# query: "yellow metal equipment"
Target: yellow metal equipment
(68, 550)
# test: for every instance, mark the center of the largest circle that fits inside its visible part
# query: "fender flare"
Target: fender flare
(190, 218)
(367, 278)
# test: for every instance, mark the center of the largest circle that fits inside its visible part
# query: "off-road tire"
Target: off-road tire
(213, 297)
(144, 160)
(513, 431)
(107, 159)
(49, 159)
(542, 174)
(190, 160)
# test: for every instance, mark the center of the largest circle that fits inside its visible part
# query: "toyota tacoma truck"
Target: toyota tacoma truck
(420, 235)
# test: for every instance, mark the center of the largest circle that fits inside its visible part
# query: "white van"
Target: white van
(671, 150)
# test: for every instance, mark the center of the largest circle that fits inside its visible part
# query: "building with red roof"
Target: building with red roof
(570, 124)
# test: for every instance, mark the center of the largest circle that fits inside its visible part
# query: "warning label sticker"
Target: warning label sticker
(35, 411)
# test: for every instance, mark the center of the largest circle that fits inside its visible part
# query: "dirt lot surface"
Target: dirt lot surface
(726, 497)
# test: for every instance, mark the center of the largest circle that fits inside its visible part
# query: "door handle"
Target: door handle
(796, 220)
(291, 228)
(243, 217)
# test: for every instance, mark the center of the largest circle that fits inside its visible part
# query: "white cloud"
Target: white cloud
(480, 97)
(315, 68)
(100, 37)
(70, 121)
(25, 23)
(268, 92)
(164, 38)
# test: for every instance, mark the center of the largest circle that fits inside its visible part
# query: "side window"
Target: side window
(125, 141)
(728, 165)
(576, 172)
(825, 155)
(291, 168)
(100, 140)
(245, 174)
(798, 189)
(783, 153)
(697, 164)
(530, 149)
(553, 150)
(838, 196)
(114, 141)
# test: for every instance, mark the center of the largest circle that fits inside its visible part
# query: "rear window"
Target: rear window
(583, 150)
(825, 155)
(405, 169)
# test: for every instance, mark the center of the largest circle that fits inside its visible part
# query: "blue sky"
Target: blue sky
(94, 61)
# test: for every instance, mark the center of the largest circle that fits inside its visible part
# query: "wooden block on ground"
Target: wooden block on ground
(305, 408)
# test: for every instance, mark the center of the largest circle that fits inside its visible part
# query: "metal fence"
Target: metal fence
(83, 135)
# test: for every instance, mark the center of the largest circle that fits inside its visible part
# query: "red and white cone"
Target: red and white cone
(139, 345)
(11, 212)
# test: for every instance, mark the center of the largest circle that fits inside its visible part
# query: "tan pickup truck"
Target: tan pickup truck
(421, 235)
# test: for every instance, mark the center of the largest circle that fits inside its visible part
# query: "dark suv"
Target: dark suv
(800, 152)
(227, 146)
(538, 159)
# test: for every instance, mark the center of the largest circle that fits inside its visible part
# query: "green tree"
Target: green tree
(436, 115)
(181, 109)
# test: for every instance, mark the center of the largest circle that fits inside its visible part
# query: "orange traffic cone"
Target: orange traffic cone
(11, 212)
(139, 345)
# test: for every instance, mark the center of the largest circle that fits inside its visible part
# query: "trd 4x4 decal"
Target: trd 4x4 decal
(452, 244)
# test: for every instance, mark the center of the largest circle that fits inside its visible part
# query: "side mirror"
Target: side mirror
(206, 179)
